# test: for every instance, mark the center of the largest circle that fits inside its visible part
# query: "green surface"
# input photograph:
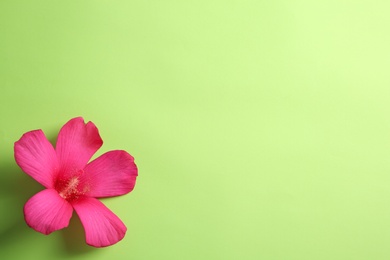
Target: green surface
(261, 129)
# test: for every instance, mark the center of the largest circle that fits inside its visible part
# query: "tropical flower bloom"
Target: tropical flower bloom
(73, 183)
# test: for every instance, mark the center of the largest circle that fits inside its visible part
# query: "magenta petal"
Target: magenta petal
(76, 144)
(112, 174)
(36, 156)
(102, 227)
(46, 212)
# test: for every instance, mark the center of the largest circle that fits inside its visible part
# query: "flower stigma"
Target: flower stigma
(69, 189)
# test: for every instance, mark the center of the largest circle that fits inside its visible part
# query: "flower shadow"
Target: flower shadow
(15, 189)
(74, 238)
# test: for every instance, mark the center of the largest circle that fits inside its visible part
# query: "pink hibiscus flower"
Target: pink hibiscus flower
(73, 183)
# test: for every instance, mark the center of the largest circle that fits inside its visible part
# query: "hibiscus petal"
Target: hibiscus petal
(102, 227)
(76, 144)
(112, 174)
(37, 157)
(46, 212)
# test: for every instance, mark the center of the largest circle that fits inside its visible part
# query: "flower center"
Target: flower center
(69, 189)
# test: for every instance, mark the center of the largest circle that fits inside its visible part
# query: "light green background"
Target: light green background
(261, 129)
